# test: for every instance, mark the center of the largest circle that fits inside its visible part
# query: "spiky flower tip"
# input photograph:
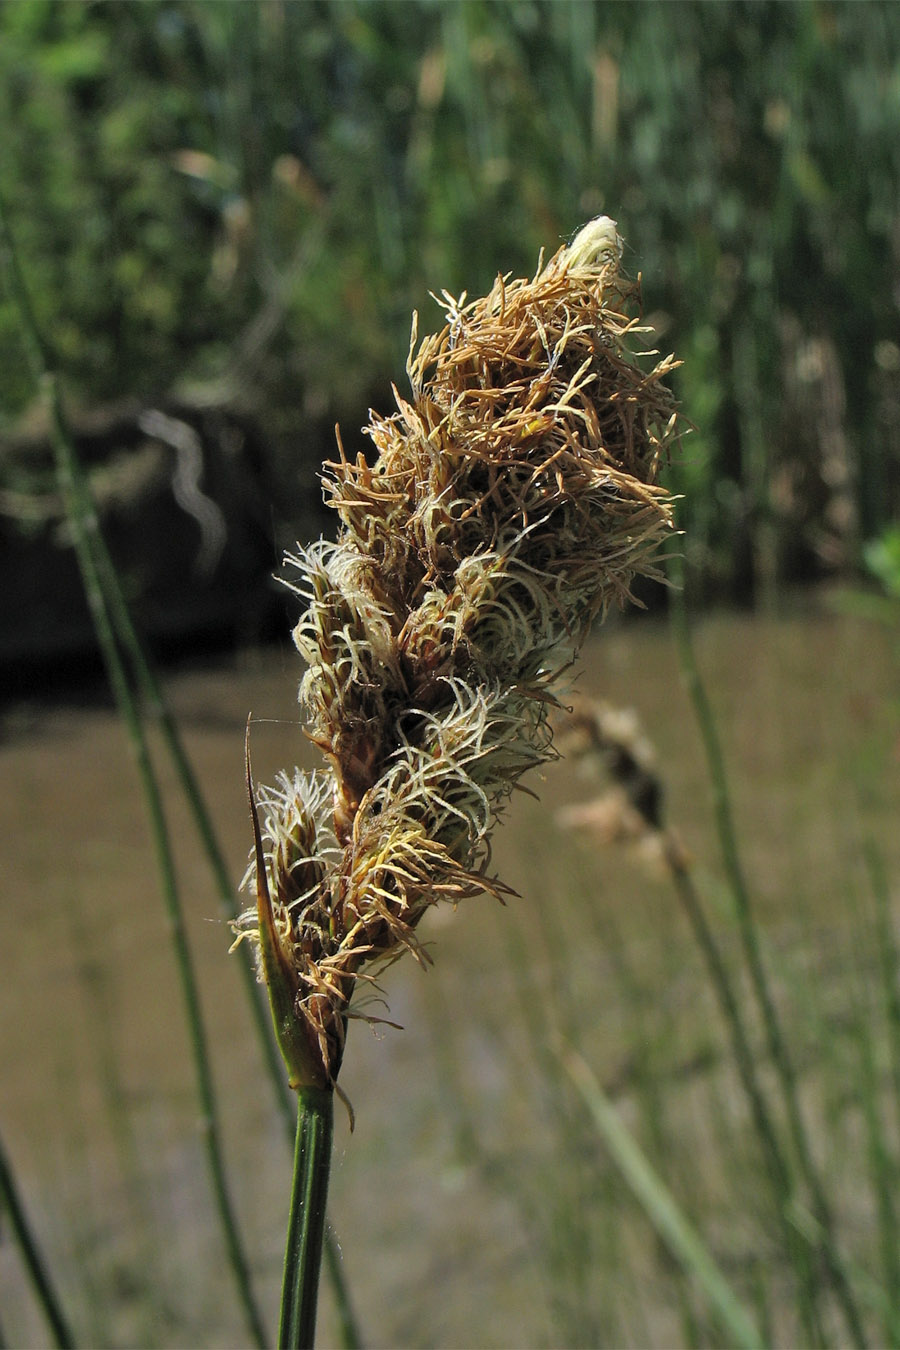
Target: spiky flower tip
(512, 499)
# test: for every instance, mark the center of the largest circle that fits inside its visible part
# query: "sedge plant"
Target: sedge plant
(511, 500)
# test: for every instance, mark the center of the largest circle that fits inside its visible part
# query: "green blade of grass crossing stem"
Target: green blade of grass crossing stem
(778, 1170)
(883, 1164)
(83, 519)
(154, 698)
(34, 1264)
(751, 947)
(80, 513)
(661, 1208)
(108, 593)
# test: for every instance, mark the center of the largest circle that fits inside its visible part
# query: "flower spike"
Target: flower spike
(510, 499)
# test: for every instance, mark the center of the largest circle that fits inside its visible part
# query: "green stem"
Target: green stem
(885, 1171)
(157, 707)
(889, 961)
(660, 1206)
(85, 528)
(83, 517)
(159, 710)
(106, 598)
(259, 1007)
(776, 1164)
(34, 1264)
(306, 1225)
(747, 929)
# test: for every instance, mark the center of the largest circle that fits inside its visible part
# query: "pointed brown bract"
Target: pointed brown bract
(512, 499)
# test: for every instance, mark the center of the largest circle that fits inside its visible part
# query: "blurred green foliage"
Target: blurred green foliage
(245, 201)
(882, 558)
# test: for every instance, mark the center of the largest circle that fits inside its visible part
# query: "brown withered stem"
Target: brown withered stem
(512, 499)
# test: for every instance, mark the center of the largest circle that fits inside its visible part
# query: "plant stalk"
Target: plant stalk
(660, 1206)
(751, 946)
(114, 624)
(776, 1164)
(85, 529)
(81, 512)
(306, 1225)
(37, 1271)
(158, 708)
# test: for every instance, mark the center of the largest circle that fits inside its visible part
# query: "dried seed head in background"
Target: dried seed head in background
(511, 499)
(630, 810)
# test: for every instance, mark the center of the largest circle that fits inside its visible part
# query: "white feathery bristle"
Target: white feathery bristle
(595, 245)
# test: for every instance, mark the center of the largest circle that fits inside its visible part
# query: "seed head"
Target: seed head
(510, 500)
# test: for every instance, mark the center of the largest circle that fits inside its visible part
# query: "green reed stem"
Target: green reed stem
(882, 1169)
(85, 527)
(28, 1248)
(255, 993)
(750, 943)
(661, 1208)
(109, 591)
(647, 1039)
(776, 1164)
(158, 708)
(81, 513)
(567, 1257)
(884, 1165)
(889, 960)
(306, 1225)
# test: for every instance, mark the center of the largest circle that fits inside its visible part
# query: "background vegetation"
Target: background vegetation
(227, 212)
(236, 207)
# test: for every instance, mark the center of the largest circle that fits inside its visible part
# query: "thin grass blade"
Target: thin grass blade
(34, 1263)
(661, 1208)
